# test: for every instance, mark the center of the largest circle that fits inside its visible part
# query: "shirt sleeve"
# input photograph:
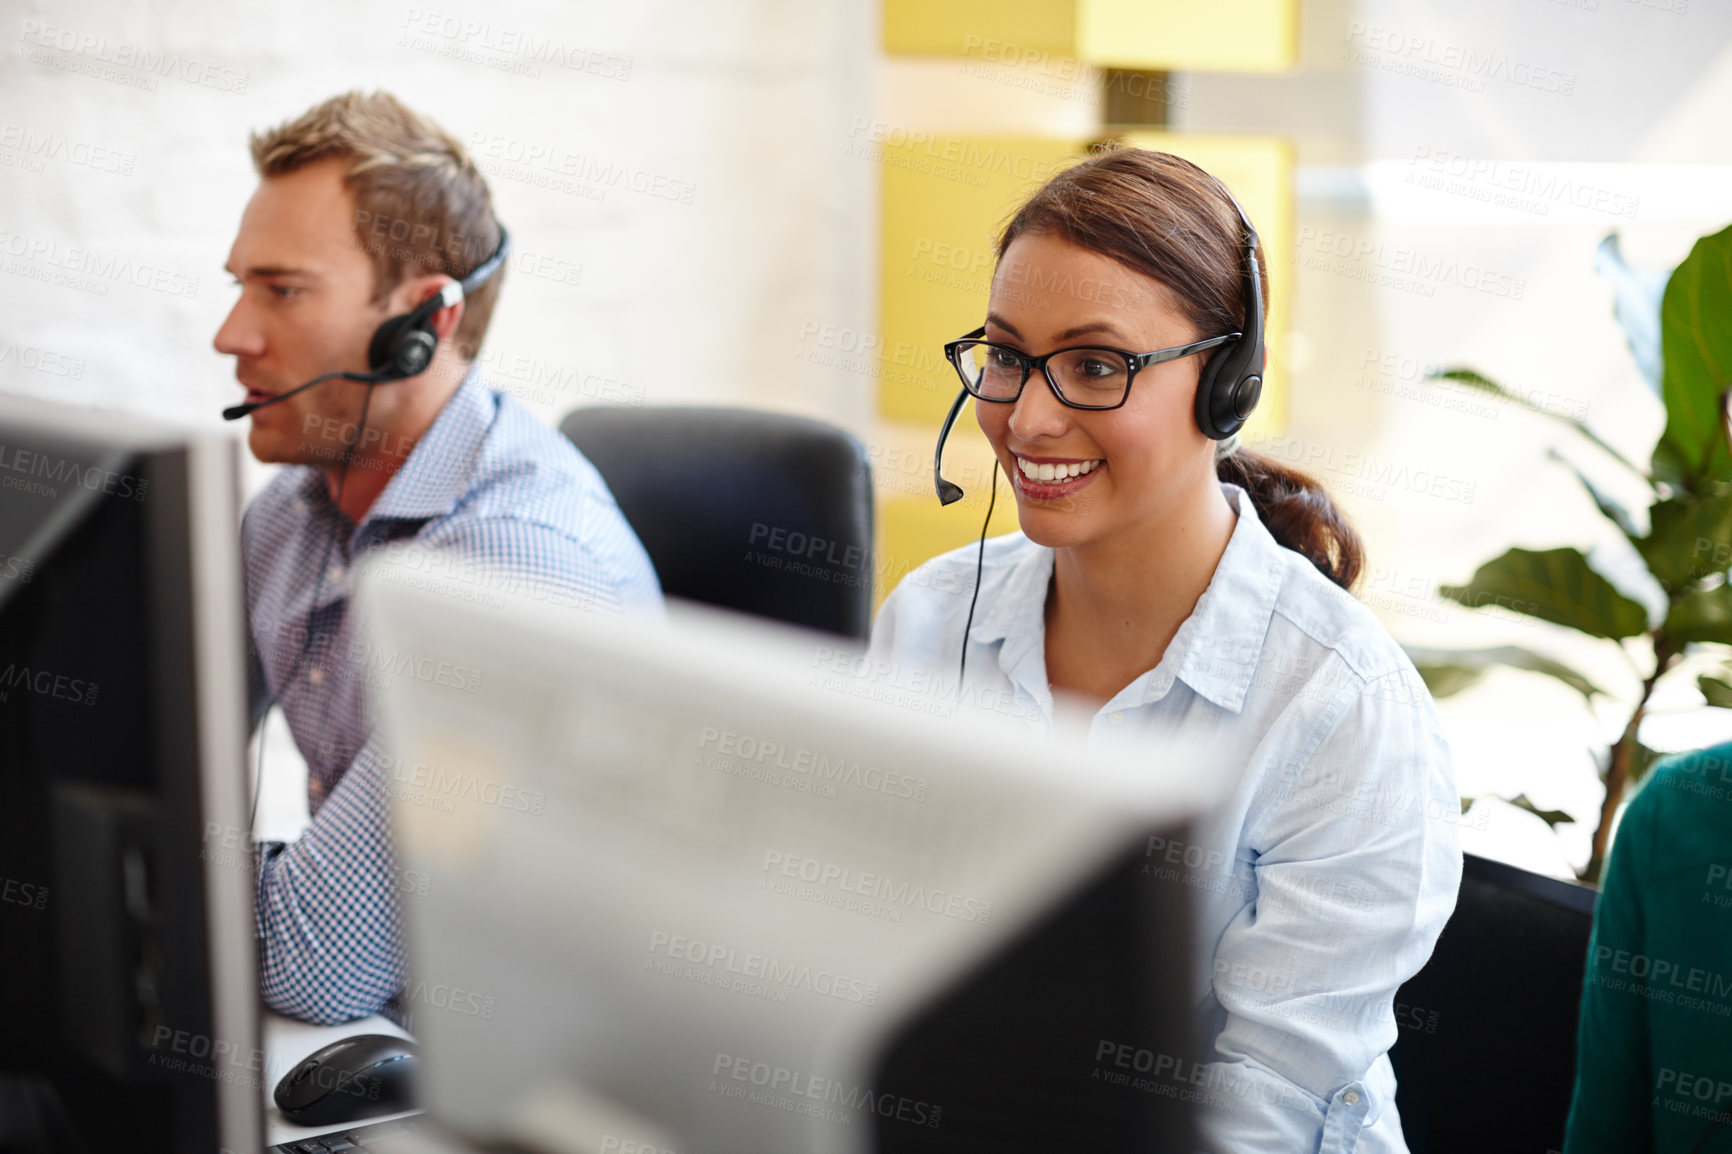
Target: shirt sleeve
(329, 921)
(478, 558)
(1611, 1108)
(1356, 872)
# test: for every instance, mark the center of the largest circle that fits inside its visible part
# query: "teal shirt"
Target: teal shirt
(1654, 1047)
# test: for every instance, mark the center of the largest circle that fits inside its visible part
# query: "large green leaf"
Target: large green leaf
(1696, 362)
(1701, 615)
(1449, 671)
(1690, 538)
(1555, 585)
(1485, 384)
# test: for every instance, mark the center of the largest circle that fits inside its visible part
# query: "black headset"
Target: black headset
(1231, 382)
(403, 345)
(1228, 388)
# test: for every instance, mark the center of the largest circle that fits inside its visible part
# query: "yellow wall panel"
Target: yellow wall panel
(913, 530)
(944, 199)
(964, 27)
(1259, 171)
(1218, 35)
(1205, 35)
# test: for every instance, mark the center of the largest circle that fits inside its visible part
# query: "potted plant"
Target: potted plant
(1685, 538)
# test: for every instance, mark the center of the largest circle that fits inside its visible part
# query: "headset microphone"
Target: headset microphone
(948, 491)
(403, 345)
(236, 412)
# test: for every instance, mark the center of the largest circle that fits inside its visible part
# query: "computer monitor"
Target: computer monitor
(128, 996)
(682, 889)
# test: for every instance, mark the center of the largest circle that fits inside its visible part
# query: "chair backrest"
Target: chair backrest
(760, 512)
(1486, 1052)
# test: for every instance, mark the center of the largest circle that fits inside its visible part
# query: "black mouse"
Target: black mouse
(359, 1077)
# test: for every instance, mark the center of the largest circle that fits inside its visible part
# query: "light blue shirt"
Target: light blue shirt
(1325, 881)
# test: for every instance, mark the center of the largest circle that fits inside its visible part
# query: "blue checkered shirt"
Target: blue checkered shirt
(489, 485)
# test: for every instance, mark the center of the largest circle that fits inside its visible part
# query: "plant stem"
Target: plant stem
(1619, 767)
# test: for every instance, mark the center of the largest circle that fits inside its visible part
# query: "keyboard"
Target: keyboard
(394, 1137)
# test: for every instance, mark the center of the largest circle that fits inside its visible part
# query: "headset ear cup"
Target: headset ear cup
(1210, 408)
(401, 348)
(381, 351)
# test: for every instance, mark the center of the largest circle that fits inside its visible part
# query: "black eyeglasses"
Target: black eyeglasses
(1086, 377)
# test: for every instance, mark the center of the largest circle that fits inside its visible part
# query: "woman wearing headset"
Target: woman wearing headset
(1174, 582)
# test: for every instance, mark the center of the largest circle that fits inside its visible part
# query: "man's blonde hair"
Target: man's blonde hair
(421, 205)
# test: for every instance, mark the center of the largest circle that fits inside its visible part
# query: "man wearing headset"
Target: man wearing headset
(368, 263)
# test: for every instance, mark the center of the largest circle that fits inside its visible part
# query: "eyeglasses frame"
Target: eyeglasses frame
(1136, 362)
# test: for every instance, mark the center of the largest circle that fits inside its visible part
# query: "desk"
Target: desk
(286, 1042)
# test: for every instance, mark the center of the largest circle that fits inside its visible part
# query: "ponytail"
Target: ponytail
(1298, 513)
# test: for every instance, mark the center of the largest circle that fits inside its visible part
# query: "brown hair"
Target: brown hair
(421, 205)
(1162, 216)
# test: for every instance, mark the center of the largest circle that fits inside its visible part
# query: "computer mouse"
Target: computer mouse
(354, 1078)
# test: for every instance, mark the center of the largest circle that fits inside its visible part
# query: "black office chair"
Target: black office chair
(755, 511)
(1486, 1057)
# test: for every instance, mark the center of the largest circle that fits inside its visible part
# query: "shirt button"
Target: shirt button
(1351, 1097)
(316, 675)
(1117, 717)
(336, 573)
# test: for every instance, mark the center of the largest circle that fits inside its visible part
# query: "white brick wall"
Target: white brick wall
(124, 170)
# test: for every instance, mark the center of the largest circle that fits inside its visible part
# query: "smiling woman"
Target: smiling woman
(1179, 586)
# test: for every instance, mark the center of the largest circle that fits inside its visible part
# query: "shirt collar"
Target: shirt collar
(441, 467)
(1226, 631)
(1217, 649)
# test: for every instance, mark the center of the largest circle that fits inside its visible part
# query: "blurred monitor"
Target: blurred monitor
(128, 995)
(682, 888)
